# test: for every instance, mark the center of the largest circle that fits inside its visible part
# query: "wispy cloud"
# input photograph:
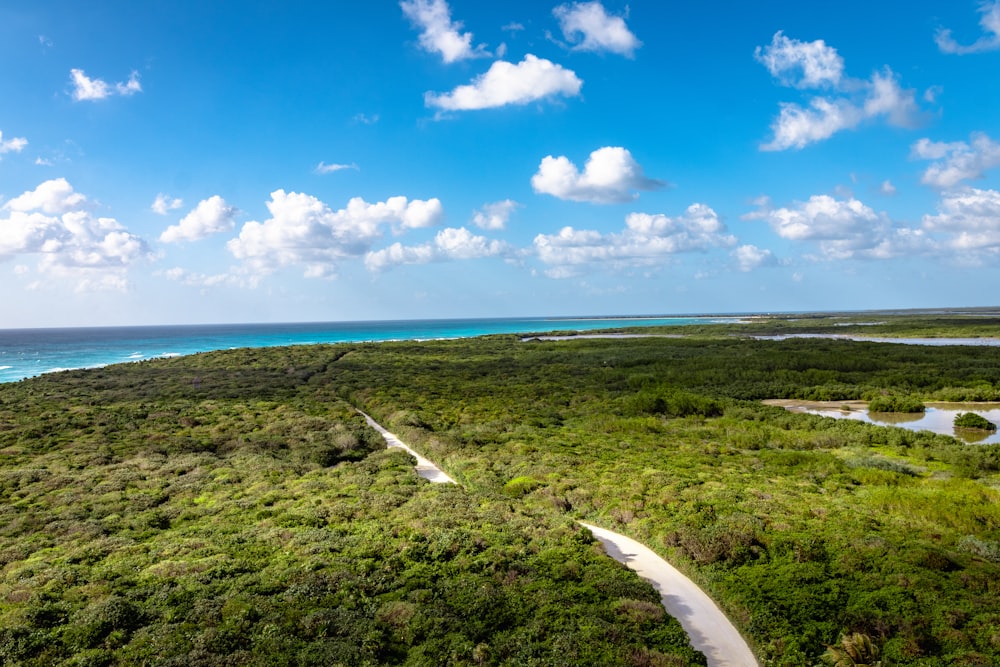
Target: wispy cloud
(801, 64)
(611, 175)
(495, 216)
(324, 168)
(589, 27)
(956, 161)
(439, 34)
(815, 65)
(14, 145)
(504, 83)
(85, 88)
(163, 204)
(990, 41)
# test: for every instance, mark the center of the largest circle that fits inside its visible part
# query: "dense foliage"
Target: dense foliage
(231, 507)
(974, 421)
(806, 529)
(224, 510)
(895, 403)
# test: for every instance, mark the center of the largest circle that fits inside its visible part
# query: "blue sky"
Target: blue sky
(249, 161)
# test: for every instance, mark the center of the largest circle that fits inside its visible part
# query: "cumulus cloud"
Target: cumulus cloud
(588, 27)
(163, 204)
(970, 221)
(85, 88)
(323, 168)
(956, 161)
(439, 34)
(495, 216)
(302, 230)
(646, 240)
(801, 64)
(448, 245)
(210, 216)
(749, 257)
(611, 175)
(53, 223)
(843, 229)
(504, 83)
(15, 145)
(990, 41)
(814, 65)
(52, 197)
(887, 188)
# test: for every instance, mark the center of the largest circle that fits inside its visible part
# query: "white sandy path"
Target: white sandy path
(708, 628)
(425, 468)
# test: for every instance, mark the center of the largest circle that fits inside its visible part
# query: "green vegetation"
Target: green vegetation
(895, 403)
(231, 508)
(973, 421)
(182, 514)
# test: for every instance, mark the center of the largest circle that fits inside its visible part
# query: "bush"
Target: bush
(895, 403)
(972, 420)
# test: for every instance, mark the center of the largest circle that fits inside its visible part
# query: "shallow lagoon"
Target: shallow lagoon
(939, 417)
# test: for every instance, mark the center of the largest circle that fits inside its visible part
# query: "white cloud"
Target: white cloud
(990, 23)
(495, 216)
(811, 65)
(801, 64)
(505, 83)
(843, 229)
(796, 127)
(611, 175)
(969, 209)
(323, 168)
(210, 216)
(438, 33)
(956, 161)
(598, 30)
(303, 230)
(15, 145)
(448, 245)
(233, 278)
(51, 197)
(646, 240)
(750, 257)
(85, 88)
(165, 203)
(52, 222)
(887, 188)
(886, 98)
(365, 119)
(970, 221)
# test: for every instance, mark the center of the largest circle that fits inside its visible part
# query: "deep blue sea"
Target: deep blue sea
(29, 352)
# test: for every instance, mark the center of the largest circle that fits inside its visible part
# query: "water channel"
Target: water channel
(938, 418)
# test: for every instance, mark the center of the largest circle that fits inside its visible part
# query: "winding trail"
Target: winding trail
(425, 468)
(708, 628)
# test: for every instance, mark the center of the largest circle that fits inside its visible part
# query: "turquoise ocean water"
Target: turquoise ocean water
(29, 352)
